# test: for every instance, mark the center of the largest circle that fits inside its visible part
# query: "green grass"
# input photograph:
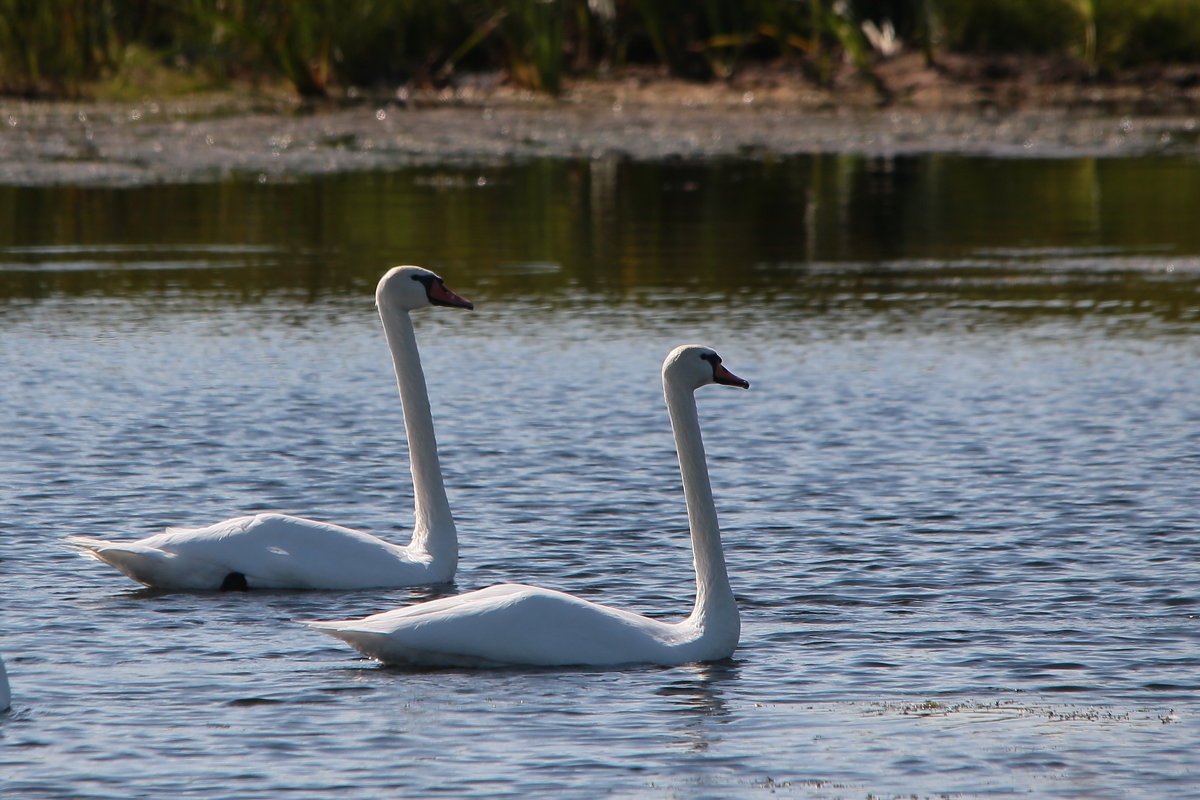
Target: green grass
(1111, 33)
(72, 47)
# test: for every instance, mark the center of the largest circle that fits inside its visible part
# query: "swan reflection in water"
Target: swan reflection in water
(698, 702)
(5, 694)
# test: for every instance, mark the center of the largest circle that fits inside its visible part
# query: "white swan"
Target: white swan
(5, 693)
(518, 624)
(276, 551)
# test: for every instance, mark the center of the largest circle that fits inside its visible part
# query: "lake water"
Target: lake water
(959, 503)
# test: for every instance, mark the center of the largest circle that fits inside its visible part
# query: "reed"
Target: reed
(65, 47)
(1105, 34)
(532, 34)
(56, 45)
(1139, 32)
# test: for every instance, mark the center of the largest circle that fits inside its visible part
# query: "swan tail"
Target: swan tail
(87, 547)
(388, 649)
(369, 643)
(142, 564)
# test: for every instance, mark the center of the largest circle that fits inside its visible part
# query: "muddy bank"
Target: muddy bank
(269, 137)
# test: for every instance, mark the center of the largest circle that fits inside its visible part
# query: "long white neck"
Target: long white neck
(433, 526)
(716, 610)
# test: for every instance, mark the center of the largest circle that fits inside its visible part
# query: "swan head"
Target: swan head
(695, 365)
(408, 288)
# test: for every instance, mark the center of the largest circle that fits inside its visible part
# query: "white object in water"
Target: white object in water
(519, 624)
(277, 551)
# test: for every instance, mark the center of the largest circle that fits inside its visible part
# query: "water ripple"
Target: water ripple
(964, 552)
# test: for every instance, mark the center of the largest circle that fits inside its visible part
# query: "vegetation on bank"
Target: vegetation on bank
(74, 47)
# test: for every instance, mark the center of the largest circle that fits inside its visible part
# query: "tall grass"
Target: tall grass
(532, 33)
(1111, 34)
(64, 47)
(55, 45)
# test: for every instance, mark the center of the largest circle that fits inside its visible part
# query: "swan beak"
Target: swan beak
(727, 378)
(439, 295)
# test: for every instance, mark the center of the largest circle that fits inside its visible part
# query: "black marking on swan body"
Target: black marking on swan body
(234, 582)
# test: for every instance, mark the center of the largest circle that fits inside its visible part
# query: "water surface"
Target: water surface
(958, 502)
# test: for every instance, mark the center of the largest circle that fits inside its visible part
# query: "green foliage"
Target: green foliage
(1112, 33)
(532, 34)
(54, 45)
(1137, 32)
(61, 47)
(1010, 26)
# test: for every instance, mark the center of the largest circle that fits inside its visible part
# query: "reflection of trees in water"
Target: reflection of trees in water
(811, 232)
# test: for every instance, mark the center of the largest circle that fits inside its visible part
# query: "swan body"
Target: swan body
(269, 551)
(517, 624)
(513, 623)
(278, 551)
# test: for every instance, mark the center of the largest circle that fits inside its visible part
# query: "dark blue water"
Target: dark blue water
(959, 502)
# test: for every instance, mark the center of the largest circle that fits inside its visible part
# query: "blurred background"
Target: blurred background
(110, 47)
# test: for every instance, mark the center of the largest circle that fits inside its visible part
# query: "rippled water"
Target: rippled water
(959, 501)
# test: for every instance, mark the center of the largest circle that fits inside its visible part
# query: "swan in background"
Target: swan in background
(5, 693)
(276, 551)
(517, 624)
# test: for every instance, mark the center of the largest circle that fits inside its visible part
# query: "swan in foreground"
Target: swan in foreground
(276, 551)
(517, 624)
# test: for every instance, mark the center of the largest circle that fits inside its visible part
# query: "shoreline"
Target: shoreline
(483, 122)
